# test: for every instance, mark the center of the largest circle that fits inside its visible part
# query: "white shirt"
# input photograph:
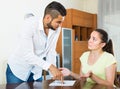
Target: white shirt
(33, 46)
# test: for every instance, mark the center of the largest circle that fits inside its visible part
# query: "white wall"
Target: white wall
(90, 6)
(12, 16)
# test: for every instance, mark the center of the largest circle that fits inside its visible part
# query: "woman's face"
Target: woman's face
(95, 42)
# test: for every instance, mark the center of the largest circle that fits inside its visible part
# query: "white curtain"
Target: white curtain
(109, 19)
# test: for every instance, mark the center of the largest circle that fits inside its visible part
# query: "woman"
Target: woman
(97, 65)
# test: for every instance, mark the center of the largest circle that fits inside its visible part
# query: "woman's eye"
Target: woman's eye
(88, 37)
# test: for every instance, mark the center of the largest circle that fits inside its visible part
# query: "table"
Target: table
(45, 85)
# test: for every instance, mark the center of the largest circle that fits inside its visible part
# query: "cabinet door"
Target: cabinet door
(77, 18)
(79, 48)
(67, 48)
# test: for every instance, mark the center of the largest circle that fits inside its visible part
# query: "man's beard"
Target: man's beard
(50, 26)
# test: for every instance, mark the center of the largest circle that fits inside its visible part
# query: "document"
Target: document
(65, 83)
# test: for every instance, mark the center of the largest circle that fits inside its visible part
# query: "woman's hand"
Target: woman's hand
(87, 75)
(65, 71)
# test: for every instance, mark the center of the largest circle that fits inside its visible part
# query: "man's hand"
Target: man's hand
(57, 74)
(65, 71)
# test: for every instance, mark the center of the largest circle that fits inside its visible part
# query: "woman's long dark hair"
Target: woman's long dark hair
(104, 37)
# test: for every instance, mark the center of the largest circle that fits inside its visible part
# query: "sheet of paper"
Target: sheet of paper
(65, 83)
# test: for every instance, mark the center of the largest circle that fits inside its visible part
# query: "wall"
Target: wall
(12, 16)
(90, 6)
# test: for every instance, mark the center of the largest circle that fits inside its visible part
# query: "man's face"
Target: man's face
(56, 22)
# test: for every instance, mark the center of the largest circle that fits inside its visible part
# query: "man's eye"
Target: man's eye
(94, 39)
(59, 22)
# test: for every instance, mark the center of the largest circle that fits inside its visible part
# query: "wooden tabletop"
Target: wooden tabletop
(45, 85)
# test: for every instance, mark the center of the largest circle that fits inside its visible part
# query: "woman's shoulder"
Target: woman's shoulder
(86, 53)
(106, 54)
(109, 59)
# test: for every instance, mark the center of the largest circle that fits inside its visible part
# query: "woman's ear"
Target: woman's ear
(103, 44)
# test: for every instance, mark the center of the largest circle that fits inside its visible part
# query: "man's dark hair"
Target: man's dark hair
(55, 8)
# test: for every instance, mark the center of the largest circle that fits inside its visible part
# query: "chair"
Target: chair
(117, 79)
(3, 66)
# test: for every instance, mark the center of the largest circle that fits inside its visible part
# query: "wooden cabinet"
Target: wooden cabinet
(82, 23)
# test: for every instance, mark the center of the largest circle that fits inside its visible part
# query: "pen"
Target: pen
(62, 81)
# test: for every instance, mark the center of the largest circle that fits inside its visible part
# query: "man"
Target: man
(37, 47)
